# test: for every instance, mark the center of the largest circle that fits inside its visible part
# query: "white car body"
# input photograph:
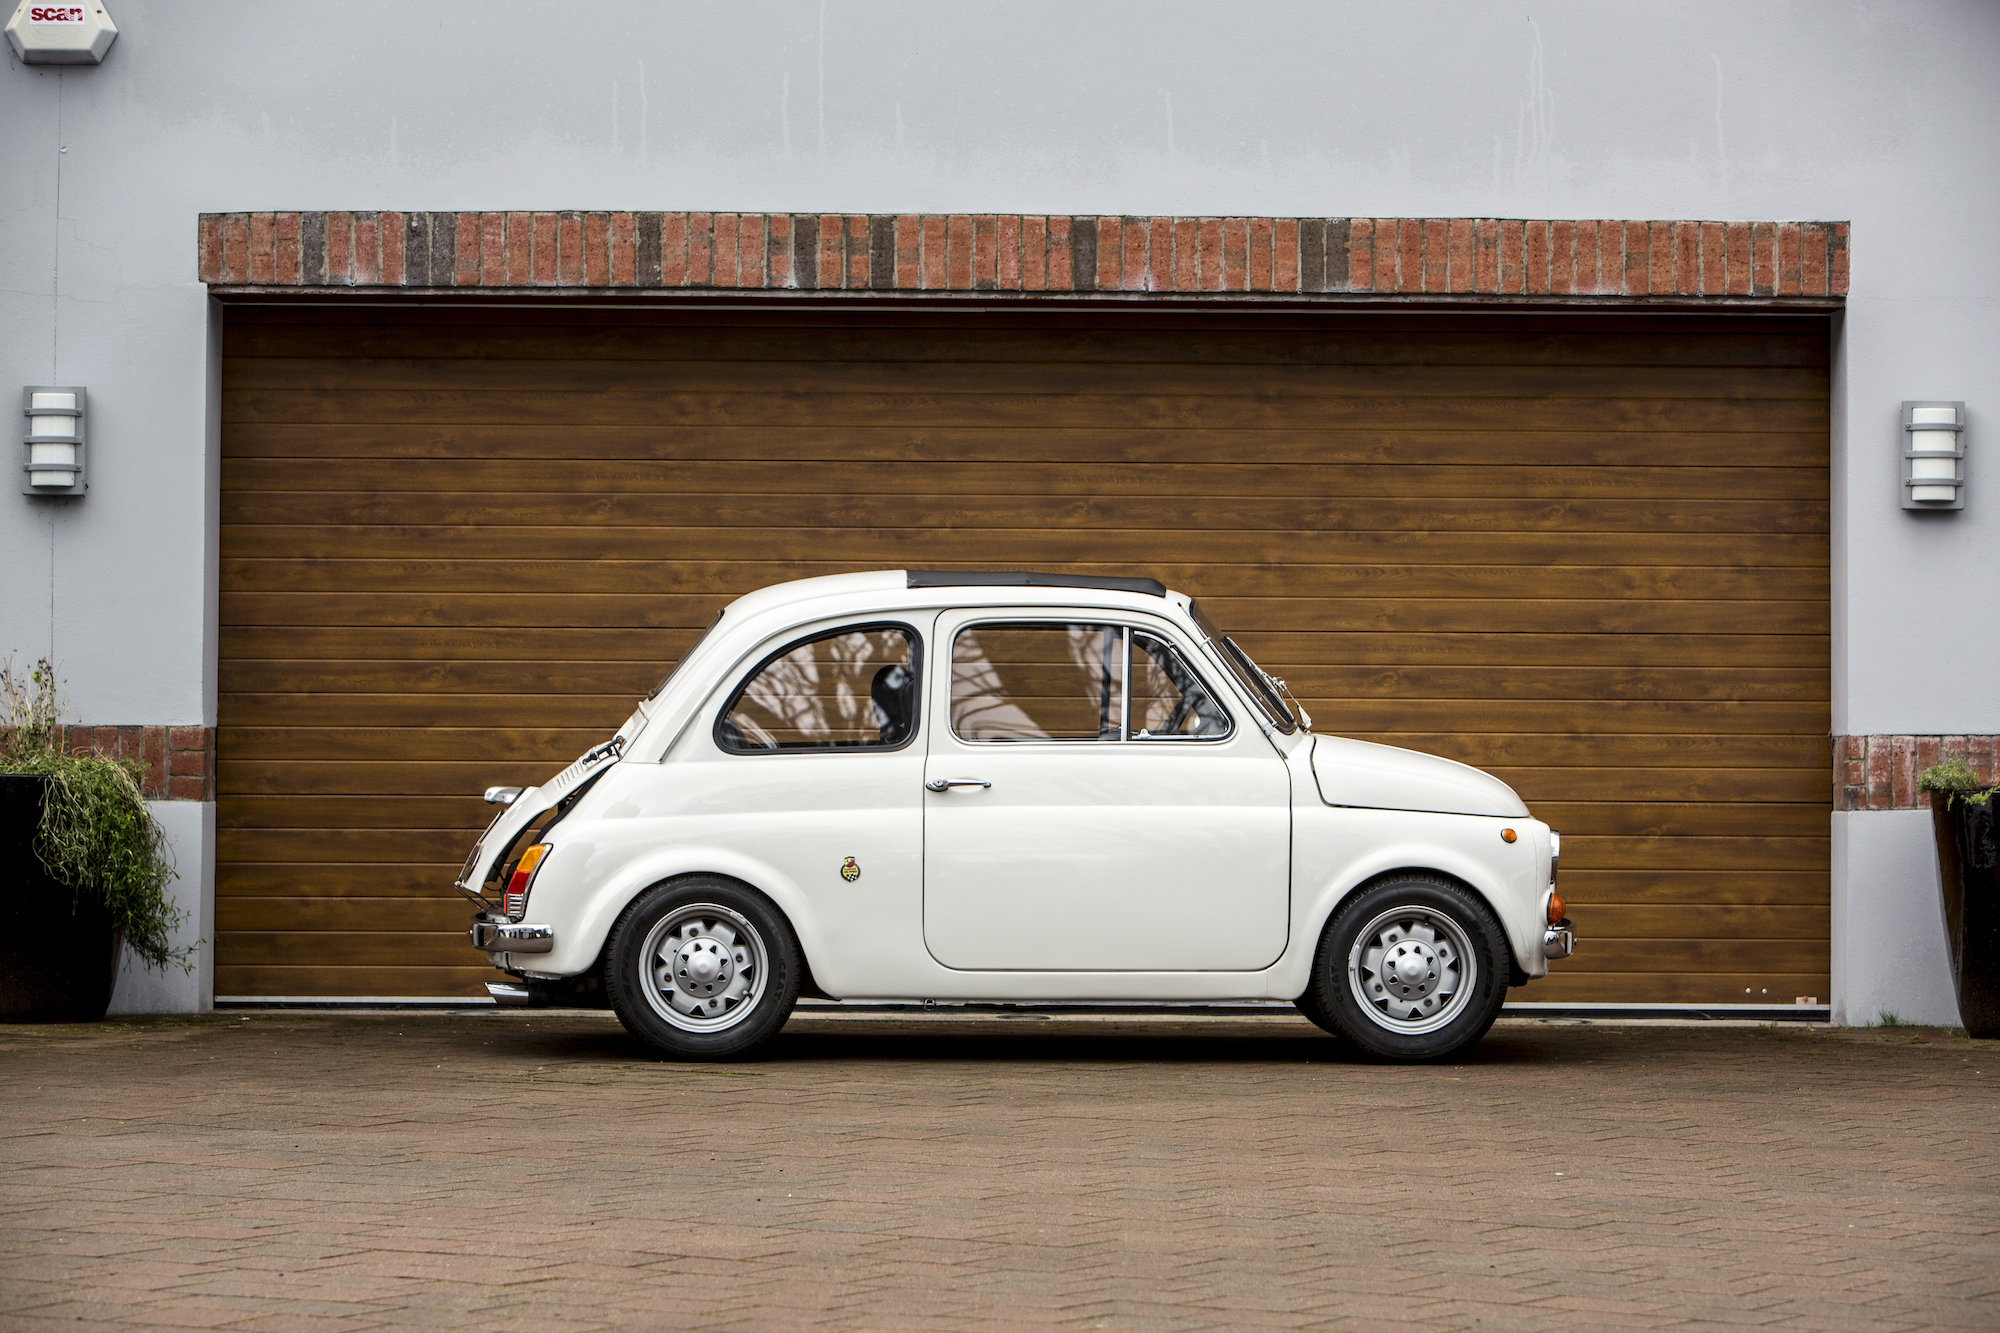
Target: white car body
(1145, 871)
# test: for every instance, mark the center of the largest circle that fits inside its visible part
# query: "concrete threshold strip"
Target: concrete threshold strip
(963, 1011)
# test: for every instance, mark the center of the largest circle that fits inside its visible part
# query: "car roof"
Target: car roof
(901, 587)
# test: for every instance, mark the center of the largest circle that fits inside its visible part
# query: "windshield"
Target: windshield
(1256, 682)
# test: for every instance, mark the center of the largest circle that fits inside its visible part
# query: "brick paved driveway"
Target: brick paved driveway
(535, 1171)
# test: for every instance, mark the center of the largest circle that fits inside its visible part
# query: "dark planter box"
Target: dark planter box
(58, 956)
(1971, 885)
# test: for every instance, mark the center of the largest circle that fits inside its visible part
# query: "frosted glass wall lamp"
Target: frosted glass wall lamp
(54, 440)
(1933, 455)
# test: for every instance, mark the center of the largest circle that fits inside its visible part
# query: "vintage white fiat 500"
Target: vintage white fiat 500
(1005, 787)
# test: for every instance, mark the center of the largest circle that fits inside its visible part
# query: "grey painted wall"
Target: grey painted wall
(1885, 114)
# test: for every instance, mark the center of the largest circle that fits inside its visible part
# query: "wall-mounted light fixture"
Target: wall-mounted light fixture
(54, 440)
(1934, 455)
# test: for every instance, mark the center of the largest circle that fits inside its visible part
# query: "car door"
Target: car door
(1094, 803)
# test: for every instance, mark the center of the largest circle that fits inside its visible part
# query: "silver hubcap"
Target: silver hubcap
(1412, 969)
(704, 968)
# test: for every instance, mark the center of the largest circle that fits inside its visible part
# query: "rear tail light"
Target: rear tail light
(1557, 910)
(514, 901)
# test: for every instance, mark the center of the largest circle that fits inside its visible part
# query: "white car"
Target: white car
(1005, 787)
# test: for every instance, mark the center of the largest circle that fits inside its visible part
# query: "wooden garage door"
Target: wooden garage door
(1587, 554)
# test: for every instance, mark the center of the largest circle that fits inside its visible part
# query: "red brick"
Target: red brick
(1235, 257)
(1926, 755)
(260, 247)
(701, 251)
(1110, 253)
(1535, 256)
(1410, 254)
(857, 251)
(1980, 753)
(1788, 259)
(492, 249)
(622, 240)
(1736, 258)
(723, 251)
(1484, 268)
(1660, 239)
(937, 252)
(285, 249)
(154, 760)
(1713, 248)
(1881, 783)
(1836, 261)
(958, 252)
(208, 240)
(465, 256)
(569, 249)
(1562, 257)
(1258, 249)
(367, 269)
(1360, 254)
(1060, 278)
(832, 251)
(752, 247)
(1687, 258)
(538, 243)
(187, 738)
(340, 248)
(674, 250)
(1812, 260)
(1904, 769)
(909, 251)
(1763, 259)
(1610, 256)
(235, 247)
(1513, 257)
(1465, 273)
(185, 763)
(985, 251)
(1007, 264)
(389, 231)
(778, 249)
(1585, 277)
(187, 789)
(1159, 254)
(1638, 259)
(1210, 258)
(516, 233)
(1187, 255)
(1284, 253)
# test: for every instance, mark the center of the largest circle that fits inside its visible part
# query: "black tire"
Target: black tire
(702, 968)
(1456, 962)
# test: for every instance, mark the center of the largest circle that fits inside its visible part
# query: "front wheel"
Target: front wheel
(1412, 968)
(702, 968)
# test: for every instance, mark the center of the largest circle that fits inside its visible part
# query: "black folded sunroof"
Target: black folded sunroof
(1021, 578)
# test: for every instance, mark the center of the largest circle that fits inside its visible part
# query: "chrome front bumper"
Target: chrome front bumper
(499, 937)
(1559, 940)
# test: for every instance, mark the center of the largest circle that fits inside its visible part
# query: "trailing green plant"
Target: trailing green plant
(1956, 779)
(98, 837)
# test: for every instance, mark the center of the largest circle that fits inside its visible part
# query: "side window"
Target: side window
(847, 689)
(1168, 699)
(1067, 682)
(1037, 682)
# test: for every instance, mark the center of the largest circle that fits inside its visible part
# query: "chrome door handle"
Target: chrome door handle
(946, 784)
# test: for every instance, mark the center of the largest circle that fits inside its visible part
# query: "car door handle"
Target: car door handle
(946, 784)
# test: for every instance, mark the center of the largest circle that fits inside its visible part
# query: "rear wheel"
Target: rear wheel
(702, 968)
(1412, 968)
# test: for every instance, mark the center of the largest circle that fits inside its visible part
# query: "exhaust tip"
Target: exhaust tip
(510, 994)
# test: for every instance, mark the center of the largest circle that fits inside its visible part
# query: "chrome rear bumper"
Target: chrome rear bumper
(1559, 940)
(499, 937)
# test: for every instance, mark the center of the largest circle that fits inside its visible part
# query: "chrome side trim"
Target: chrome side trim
(495, 937)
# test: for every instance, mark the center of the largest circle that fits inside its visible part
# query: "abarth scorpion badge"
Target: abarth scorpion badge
(850, 870)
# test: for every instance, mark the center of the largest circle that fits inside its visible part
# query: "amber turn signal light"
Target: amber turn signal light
(1507, 835)
(514, 900)
(1557, 909)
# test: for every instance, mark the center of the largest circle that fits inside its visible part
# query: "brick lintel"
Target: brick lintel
(1880, 772)
(1682, 261)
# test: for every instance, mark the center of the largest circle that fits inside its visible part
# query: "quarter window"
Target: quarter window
(849, 689)
(1067, 682)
